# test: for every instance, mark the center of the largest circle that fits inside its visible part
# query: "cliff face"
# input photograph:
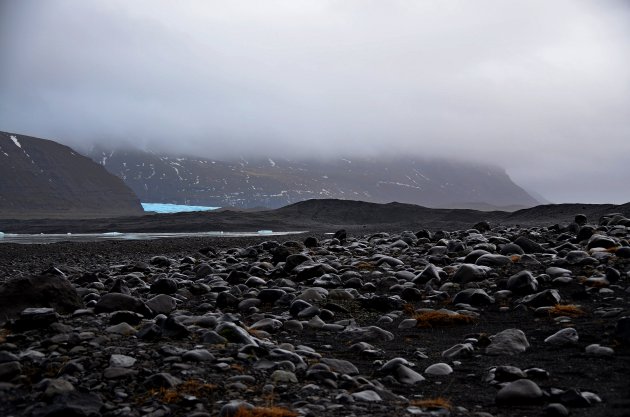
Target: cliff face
(275, 182)
(40, 178)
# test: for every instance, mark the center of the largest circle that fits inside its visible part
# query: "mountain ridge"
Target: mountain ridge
(43, 178)
(276, 182)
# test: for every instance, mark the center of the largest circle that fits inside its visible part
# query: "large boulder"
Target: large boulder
(52, 291)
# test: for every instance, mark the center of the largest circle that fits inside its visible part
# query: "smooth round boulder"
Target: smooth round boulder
(511, 249)
(522, 283)
(469, 273)
(507, 342)
(112, 302)
(568, 336)
(519, 392)
(439, 369)
(473, 296)
(164, 286)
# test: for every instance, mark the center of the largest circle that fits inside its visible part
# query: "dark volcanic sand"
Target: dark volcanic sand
(569, 367)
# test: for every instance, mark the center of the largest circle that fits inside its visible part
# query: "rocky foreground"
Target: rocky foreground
(503, 321)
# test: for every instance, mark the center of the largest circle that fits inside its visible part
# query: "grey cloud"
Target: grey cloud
(537, 87)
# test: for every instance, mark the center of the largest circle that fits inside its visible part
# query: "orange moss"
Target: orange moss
(3, 335)
(515, 258)
(265, 412)
(256, 333)
(569, 310)
(438, 318)
(432, 403)
(409, 309)
(367, 266)
(238, 367)
(190, 387)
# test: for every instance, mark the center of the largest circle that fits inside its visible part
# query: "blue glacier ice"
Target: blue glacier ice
(174, 208)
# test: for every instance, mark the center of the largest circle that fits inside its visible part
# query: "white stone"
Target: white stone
(121, 361)
(566, 336)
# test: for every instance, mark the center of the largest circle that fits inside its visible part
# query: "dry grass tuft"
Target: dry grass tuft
(192, 387)
(365, 266)
(569, 310)
(3, 335)
(261, 334)
(265, 412)
(433, 403)
(437, 318)
(409, 309)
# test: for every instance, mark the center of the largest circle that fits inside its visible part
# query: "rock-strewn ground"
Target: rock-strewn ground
(478, 322)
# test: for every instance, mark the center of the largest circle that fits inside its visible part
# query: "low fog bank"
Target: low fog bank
(538, 88)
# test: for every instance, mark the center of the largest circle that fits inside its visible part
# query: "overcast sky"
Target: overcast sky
(539, 87)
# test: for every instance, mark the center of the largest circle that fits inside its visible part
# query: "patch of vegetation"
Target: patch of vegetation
(432, 403)
(272, 411)
(192, 387)
(364, 266)
(569, 310)
(440, 318)
(3, 335)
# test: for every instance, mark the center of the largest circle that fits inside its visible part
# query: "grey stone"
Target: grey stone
(542, 299)
(233, 408)
(56, 387)
(121, 361)
(468, 273)
(555, 410)
(459, 350)
(162, 380)
(9, 370)
(52, 291)
(341, 366)
(407, 376)
(36, 318)
(522, 283)
(213, 338)
(114, 302)
(508, 342)
(367, 334)
(519, 392)
(198, 355)
(367, 396)
(114, 372)
(473, 296)
(599, 350)
(493, 260)
(562, 337)
(121, 328)
(438, 369)
(622, 329)
(162, 304)
(283, 377)
(75, 404)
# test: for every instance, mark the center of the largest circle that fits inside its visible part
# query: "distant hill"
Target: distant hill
(274, 182)
(41, 178)
(321, 215)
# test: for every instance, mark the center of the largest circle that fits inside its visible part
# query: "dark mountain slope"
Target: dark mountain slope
(42, 178)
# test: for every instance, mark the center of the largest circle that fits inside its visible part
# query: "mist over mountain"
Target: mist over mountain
(538, 87)
(274, 182)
